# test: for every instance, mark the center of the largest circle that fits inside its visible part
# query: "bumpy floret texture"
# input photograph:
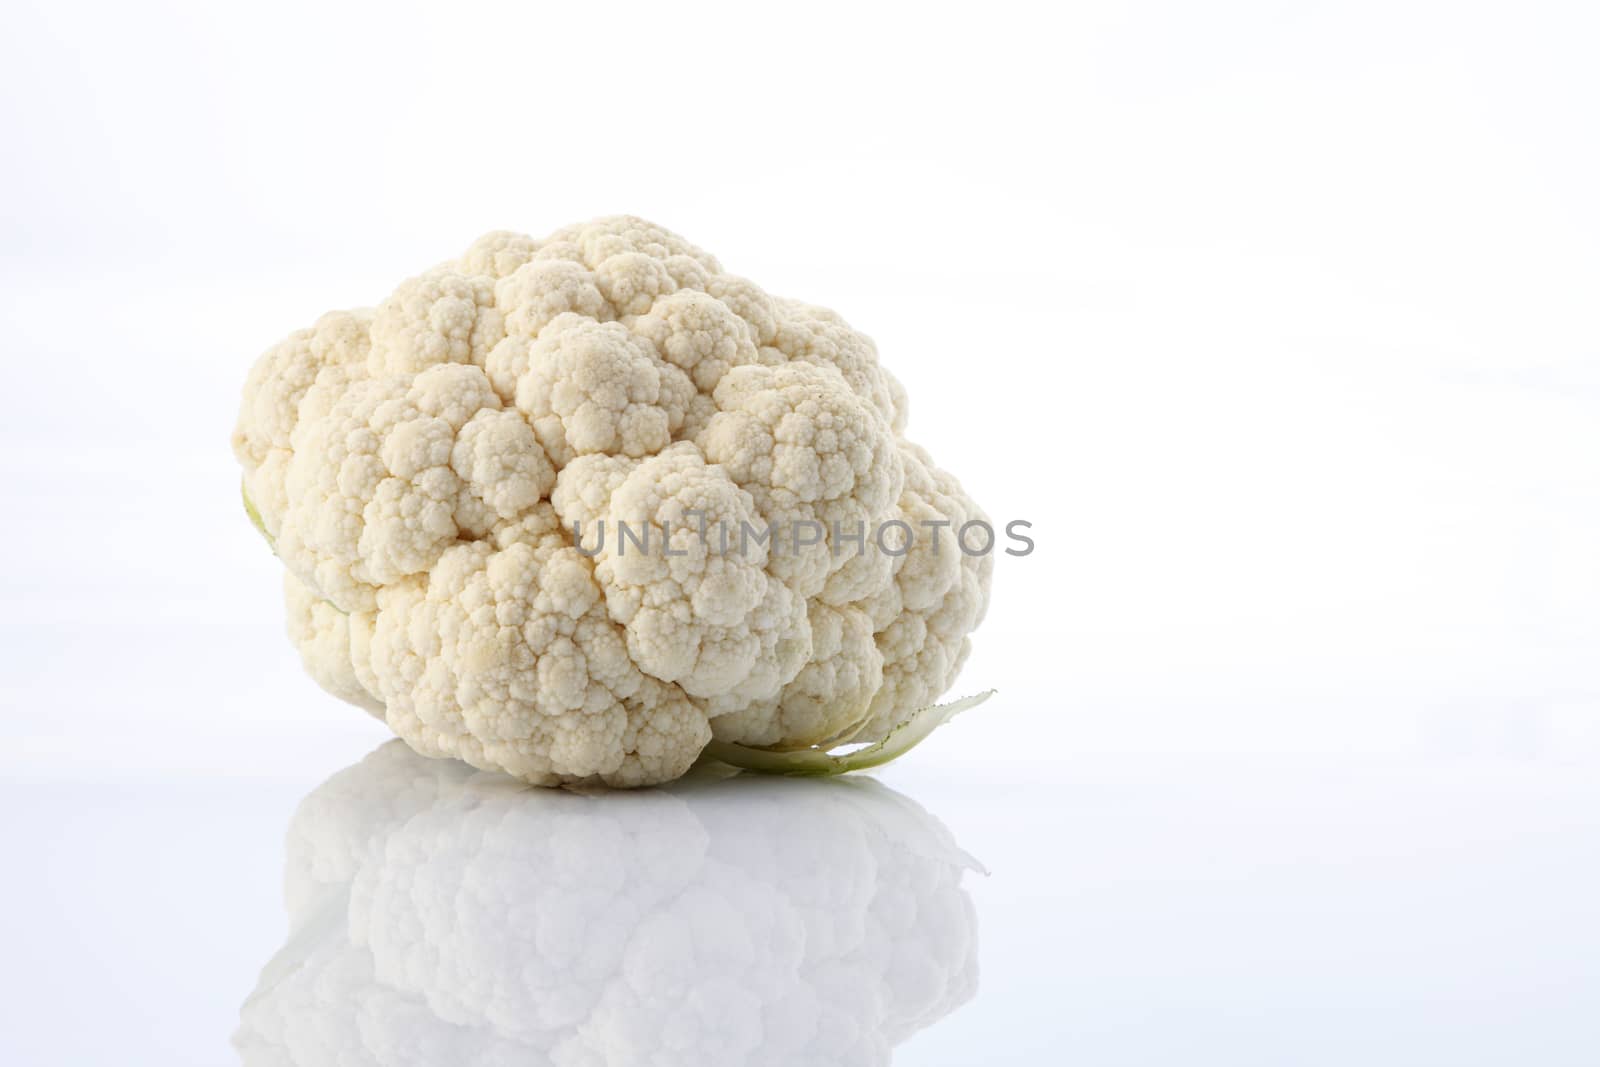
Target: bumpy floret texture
(444, 916)
(435, 472)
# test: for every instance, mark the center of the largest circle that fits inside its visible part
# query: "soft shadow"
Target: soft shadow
(438, 915)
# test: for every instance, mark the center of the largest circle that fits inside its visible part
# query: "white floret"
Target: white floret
(439, 317)
(810, 453)
(591, 387)
(321, 634)
(717, 624)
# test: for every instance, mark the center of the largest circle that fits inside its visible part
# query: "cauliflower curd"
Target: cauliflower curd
(447, 476)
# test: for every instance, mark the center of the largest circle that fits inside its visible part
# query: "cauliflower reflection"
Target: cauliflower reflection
(440, 915)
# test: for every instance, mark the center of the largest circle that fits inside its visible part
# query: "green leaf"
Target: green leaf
(255, 516)
(817, 762)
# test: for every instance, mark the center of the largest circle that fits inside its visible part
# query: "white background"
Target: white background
(1278, 324)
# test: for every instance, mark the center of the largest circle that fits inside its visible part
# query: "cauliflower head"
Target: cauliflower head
(447, 478)
(439, 915)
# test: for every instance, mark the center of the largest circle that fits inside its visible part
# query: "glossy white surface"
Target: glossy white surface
(434, 908)
(1384, 912)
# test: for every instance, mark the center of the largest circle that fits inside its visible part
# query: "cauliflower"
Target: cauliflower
(443, 916)
(452, 478)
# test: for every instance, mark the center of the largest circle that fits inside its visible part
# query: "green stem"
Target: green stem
(816, 762)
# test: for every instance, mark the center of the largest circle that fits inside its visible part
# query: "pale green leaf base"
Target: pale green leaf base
(817, 763)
